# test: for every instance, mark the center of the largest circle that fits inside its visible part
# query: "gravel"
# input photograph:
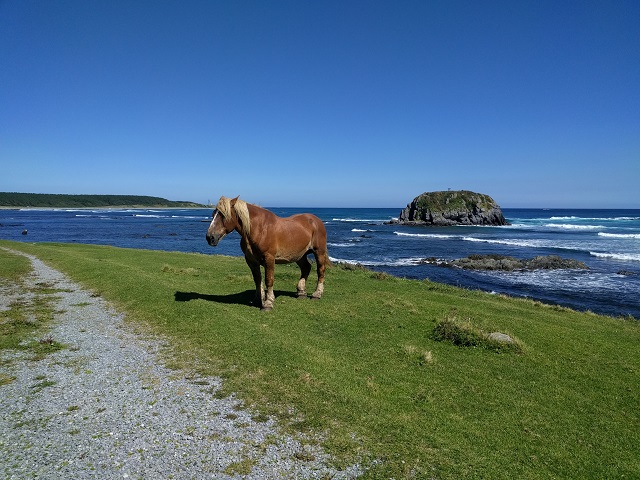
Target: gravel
(106, 407)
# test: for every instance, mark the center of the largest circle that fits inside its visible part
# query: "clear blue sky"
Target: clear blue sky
(331, 103)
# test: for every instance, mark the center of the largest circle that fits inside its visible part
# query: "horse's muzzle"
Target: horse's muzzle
(213, 239)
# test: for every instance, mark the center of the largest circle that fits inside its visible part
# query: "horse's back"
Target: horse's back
(289, 238)
(314, 224)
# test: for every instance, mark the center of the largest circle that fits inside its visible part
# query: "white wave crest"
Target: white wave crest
(361, 220)
(517, 225)
(399, 262)
(608, 219)
(510, 242)
(620, 235)
(569, 226)
(426, 235)
(617, 256)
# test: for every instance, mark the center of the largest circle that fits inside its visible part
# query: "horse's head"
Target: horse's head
(220, 226)
(225, 220)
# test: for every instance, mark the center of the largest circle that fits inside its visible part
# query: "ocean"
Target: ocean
(608, 241)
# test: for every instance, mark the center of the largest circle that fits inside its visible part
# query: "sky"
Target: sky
(323, 104)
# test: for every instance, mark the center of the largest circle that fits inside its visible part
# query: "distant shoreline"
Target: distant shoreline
(18, 201)
(104, 207)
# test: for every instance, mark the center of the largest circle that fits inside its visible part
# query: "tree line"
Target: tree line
(54, 200)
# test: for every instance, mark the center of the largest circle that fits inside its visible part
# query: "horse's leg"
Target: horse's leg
(257, 279)
(269, 270)
(305, 269)
(321, 261)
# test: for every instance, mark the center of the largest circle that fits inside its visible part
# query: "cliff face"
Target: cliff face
(459, 207)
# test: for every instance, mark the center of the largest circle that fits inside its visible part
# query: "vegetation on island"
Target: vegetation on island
(400, 375)
(51, 200)
(453, 200)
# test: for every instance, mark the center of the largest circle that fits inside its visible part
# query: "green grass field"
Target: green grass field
(363, 367)
(24, 321)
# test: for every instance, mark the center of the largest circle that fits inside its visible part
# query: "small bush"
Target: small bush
(351, 266)
(381, 276)
(464, 334)
(458, 332)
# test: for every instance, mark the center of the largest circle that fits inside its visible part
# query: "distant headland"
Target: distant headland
(53, 200)
(453, 207)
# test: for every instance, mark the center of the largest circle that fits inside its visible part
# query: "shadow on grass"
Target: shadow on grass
(241, 298)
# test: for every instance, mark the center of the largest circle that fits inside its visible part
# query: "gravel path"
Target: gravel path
(105, 407)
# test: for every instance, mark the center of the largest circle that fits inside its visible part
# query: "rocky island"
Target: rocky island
(453, 207)
(509, 264)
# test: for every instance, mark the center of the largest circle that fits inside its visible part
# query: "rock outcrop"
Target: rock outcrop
(460, 207)
(510, 264)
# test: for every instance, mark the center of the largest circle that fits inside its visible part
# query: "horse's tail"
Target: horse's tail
(326, 259)
(321, 242)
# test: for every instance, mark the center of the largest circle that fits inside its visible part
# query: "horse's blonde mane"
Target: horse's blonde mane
(241, 209)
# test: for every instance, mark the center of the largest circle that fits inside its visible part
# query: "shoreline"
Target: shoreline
(106, 207)
(359, 266)
(359, 236)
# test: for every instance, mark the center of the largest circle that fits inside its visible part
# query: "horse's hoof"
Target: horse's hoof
(315, 298)
(266, 309)
(302, 296)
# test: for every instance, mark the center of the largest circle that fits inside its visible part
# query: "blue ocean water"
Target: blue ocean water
(608, 241)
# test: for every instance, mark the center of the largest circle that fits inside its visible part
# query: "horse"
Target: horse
(268, 239)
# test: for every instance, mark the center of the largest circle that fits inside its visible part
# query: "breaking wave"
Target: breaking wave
(569, 226)
(620, 235)
(617, 256)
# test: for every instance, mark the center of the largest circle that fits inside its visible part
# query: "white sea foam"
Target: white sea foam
(352, 244)
(187, 217)
(361, 230)
(361, 220)
(399, 262)
(532, 243)
(569, 226)
(620, 235)
(564, 280)
(617, 256)
(537, 243)
(517, 225)
(512, 242)
(426, 235)
(608, 219)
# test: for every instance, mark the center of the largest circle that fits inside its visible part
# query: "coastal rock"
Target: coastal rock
(510, 264)
(500, 337)
(459, 207)
(626, 273)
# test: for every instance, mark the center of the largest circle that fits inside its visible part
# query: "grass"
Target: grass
(23, 326)
(365, 367)
(464, 333)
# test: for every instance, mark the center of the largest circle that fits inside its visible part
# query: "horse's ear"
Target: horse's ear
(234, 200)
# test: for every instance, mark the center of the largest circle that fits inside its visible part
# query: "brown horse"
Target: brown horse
(268, 239)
